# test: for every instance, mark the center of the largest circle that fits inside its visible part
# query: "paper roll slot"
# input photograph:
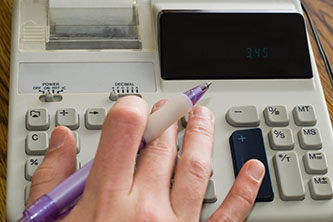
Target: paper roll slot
(93, 24)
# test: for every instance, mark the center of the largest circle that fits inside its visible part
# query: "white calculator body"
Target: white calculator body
(68, 68)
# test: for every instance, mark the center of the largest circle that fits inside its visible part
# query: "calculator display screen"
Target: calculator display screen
(214, 45)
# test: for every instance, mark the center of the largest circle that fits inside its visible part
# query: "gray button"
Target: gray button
(37, 119)
(321, 188)
(36, 143)
(309, 138)
(210, 195)
(26, 193)
(315, 162)
(288, 175)
(276, 116)
(242, 116)
(304, 115)
(281, 139)
(78, 164)
(95, 118)
(77, 141)
(67, 117)
(31, 165)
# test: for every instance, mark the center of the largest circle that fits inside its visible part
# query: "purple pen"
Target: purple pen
(62, 197)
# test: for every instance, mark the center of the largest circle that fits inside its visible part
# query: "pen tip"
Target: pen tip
(209, 83)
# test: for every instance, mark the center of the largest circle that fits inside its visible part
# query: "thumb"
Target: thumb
(59, 163)
(239, 202)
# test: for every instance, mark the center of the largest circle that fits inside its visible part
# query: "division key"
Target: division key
(248, 144)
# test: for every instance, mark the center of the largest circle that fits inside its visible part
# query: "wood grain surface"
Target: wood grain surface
(320, 10)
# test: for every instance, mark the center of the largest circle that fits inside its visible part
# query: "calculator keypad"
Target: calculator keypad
(31, 166)
(276, 116)
(210, 195)
(321, 188)
(315, 162)
(289, 176)
(26, 192)
(281, 139)
(242, 116)
(309, 138)
(37, 119)
(67, 117)
(36, 143)
(286, 163)
(95, 118)
(304, 115)
(77, 141)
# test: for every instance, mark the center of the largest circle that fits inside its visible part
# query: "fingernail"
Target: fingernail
(202, 112)
(256, 170)
(57, 139)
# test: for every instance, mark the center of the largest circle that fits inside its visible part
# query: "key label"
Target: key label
(33, 162)
(34, 137)
(284, 156)
(242, 138)
(311, 132)
(315, 156)
(273, 111)
(63, 112)
(303, 109)
(320, 180)
(35, 113)
(279, 134)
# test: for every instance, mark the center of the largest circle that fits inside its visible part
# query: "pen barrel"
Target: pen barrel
(164, 117)
(49, 206)
(44, 209)
(71, 188)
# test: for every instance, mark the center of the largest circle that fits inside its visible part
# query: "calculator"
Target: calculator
(71, 61)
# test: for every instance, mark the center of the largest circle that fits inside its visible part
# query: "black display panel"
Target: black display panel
(201, 45)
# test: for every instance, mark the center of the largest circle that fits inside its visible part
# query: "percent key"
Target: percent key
(281, 139)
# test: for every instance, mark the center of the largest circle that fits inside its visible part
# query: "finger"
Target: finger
(113, 167)
(156, 162)
(242, 195)
(194, 165)
(50, 173)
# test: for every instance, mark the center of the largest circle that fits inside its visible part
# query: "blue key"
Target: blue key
(248, 144)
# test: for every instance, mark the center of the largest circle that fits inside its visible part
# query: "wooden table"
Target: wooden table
(320, 10)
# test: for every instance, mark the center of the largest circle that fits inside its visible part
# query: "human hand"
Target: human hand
(119, 190)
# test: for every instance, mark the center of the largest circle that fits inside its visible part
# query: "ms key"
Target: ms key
(246, 145)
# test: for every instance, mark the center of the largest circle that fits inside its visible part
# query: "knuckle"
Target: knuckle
(201, 128)
(197, 168)
(159, 147)
(243, 196)
(146, 212)
(221, 218)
